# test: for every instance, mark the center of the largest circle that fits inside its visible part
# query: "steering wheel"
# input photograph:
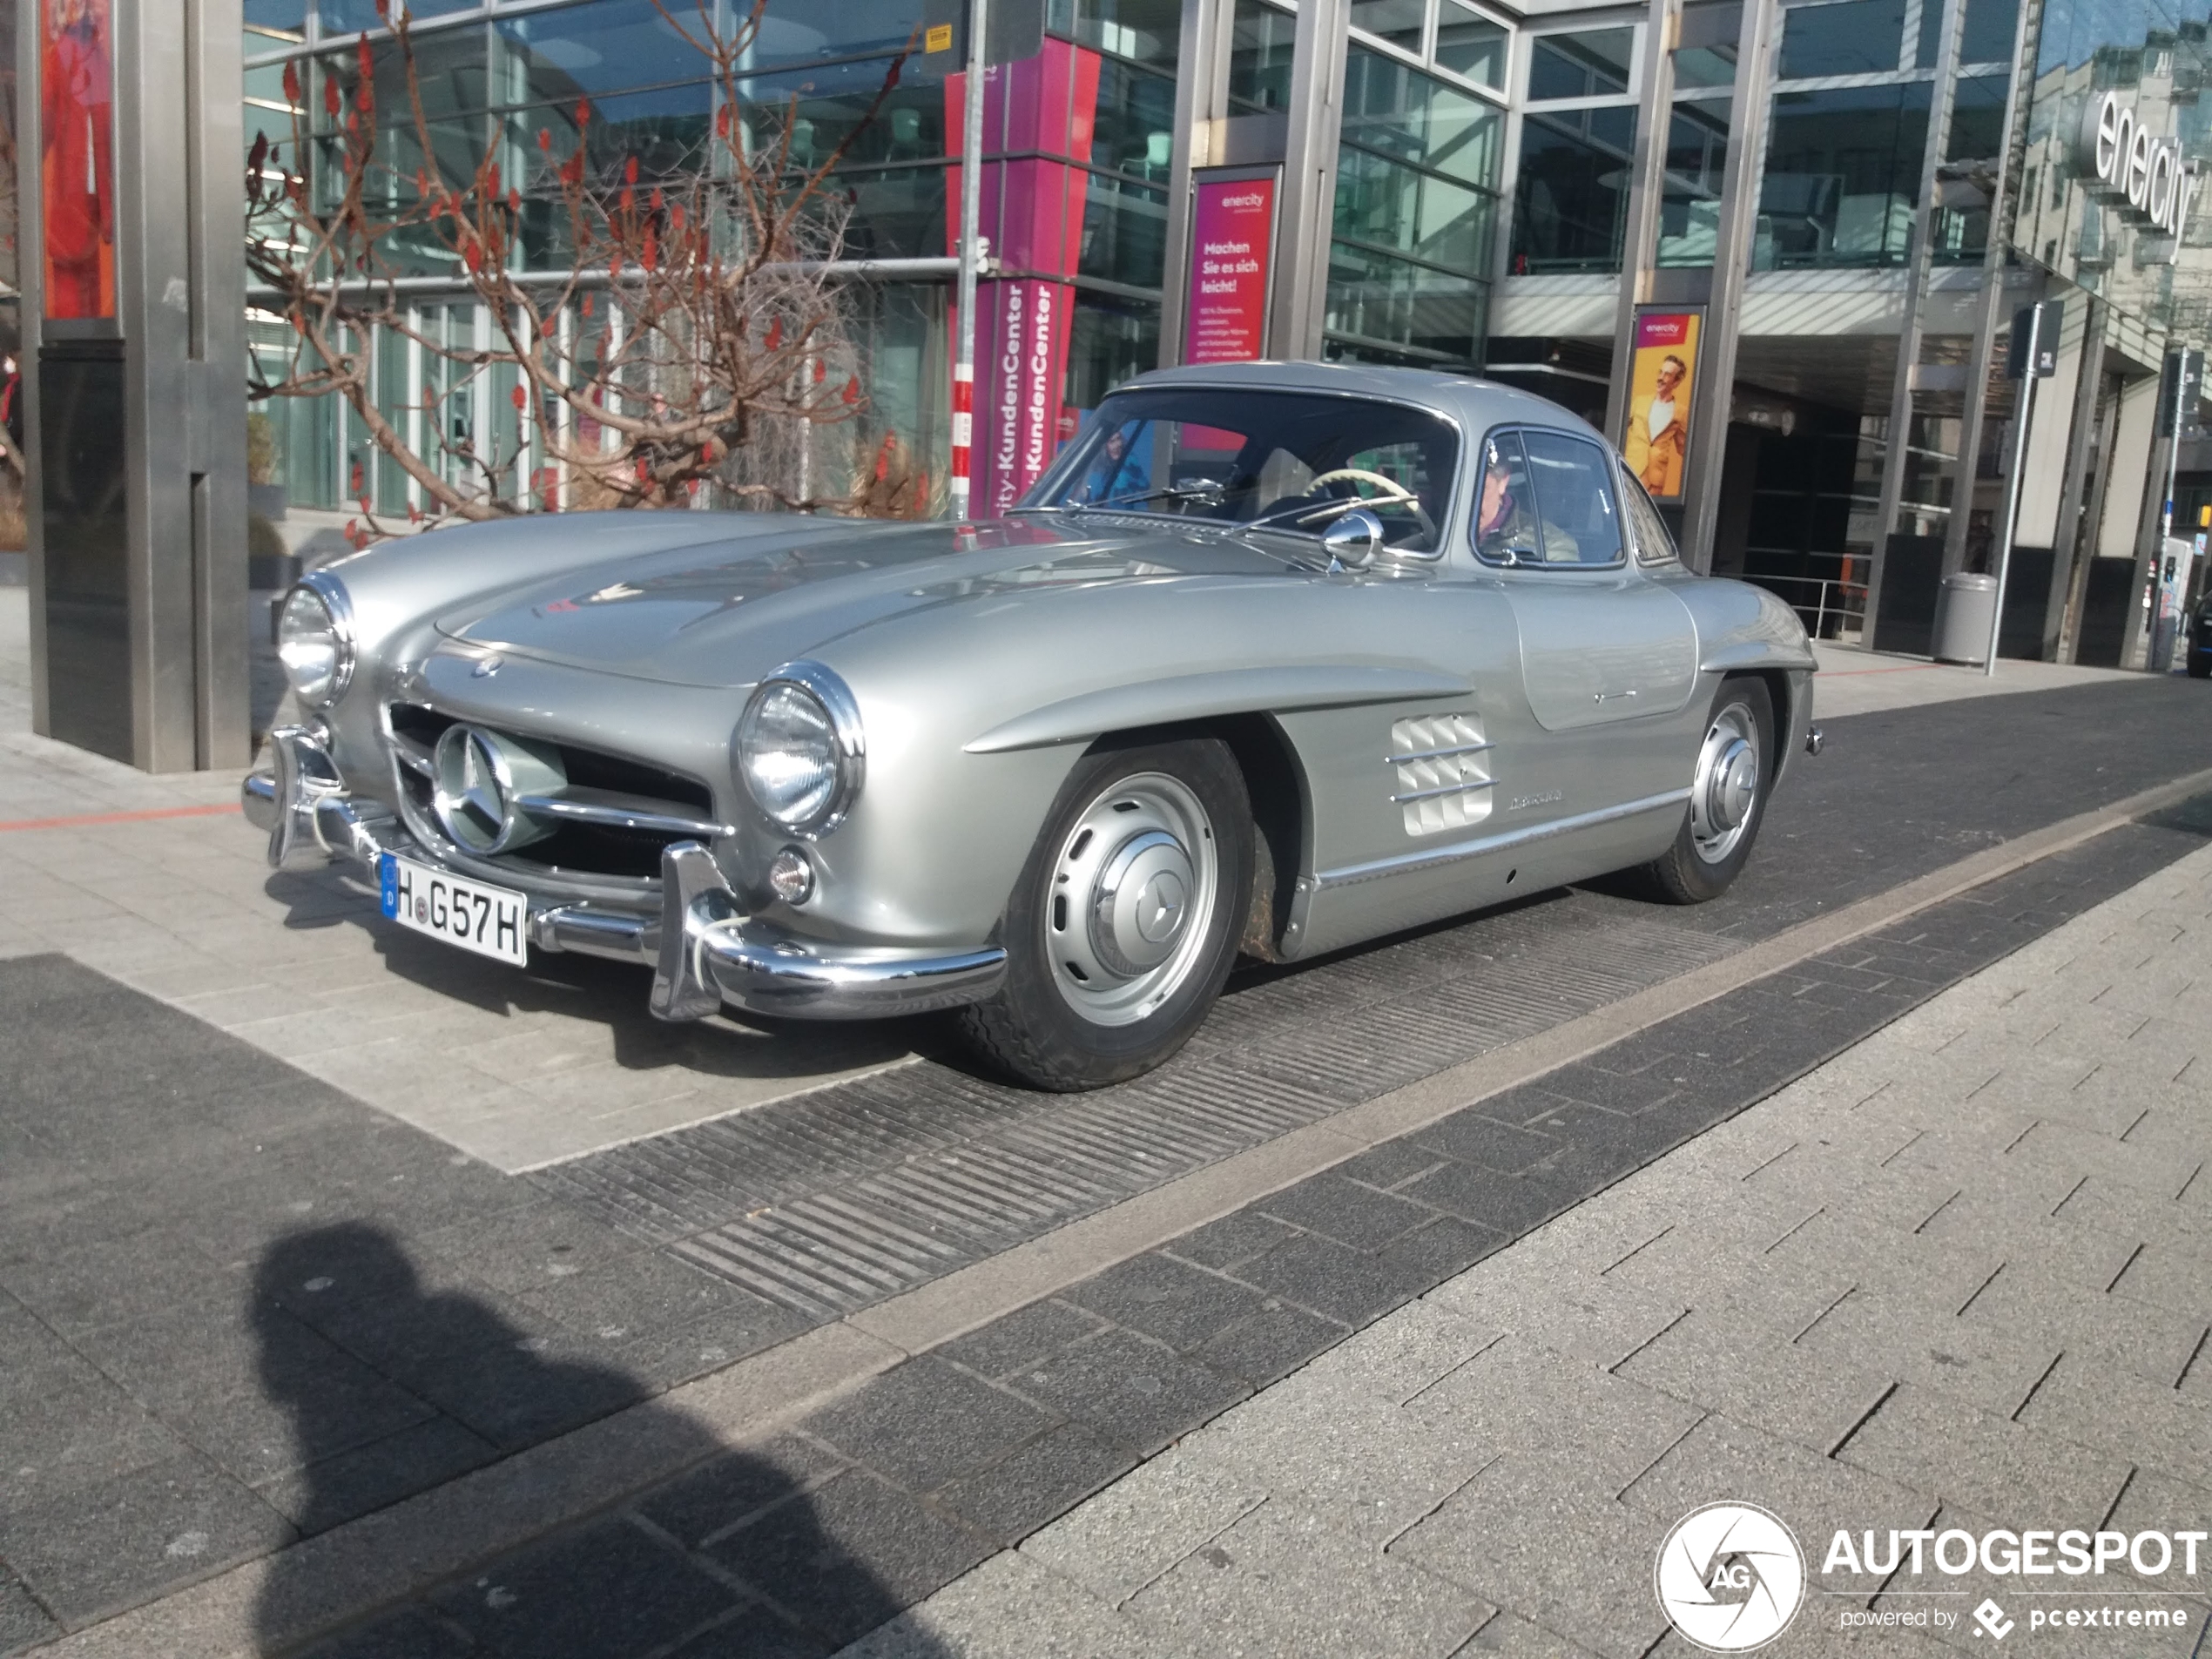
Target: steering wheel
(1398, 492)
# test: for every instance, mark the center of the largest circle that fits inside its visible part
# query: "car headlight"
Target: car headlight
(315, 639)
(799, 748)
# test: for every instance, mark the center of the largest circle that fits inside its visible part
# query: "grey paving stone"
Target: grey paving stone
(412, 1633)
(530, 1246)
(2027, 1300)
(608, 1587)
(1339, 1283)
(1509, 1204)
(850, 1554)
(726, 1491)
(1476, 1137)
(1177, 1304)
(66, 1428)
(1236, 1237)
(1342, 1209)
(924, 1423)
(2174, 1273)
(1445, 1246)
(1035, 1483)
(1924, 1440)
(2127, 1417)
(23, 1621)
(331, 1490)
(1508, 1636)
(101, 1547)
(1268, 1344)
(1284, 1581)
(649, 1292)
(1143, 1524)
(755, 1631)
(1388, 1166)
(1979, 1363)
(525, 1390)
(1020, 1338)
(1135, 1394)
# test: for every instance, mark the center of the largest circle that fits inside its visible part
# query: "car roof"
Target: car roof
(1476, 403)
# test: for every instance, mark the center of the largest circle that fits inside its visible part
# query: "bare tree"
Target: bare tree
(689, 331)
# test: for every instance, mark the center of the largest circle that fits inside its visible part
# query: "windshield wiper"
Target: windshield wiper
(1171, 492)
(1302, 511)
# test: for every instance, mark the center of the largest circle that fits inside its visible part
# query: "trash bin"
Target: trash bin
(1964, 607)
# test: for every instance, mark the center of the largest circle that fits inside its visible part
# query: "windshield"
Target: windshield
(1296, 461)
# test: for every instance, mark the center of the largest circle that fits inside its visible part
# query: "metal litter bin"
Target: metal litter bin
(1964, 607)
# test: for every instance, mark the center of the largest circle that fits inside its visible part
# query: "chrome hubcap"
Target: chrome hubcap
(1727, 785)
(1135, 881)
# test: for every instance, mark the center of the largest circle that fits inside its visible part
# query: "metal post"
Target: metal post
(1308, 208)
(1714, 394)
(1201, 109)
(1647, 190)
(971, 234)
(2013, 484)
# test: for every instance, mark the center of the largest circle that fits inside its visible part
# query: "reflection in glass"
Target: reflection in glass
(1125, 230)
(1856, 38)
(1592, 64)
(1990, 26)
(1690, 211)
(1471, 45)
(1571, 198)
(1260, 57)
(1149, 32)
(1112, 340)
(1397, 22)
(1399, 111)
(1383, 309)
(1843, 170)
(1134, 129)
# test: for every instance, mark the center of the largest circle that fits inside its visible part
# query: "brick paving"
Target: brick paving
(1956, 1276)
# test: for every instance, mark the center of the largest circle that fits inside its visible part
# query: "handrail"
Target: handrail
(1832, 598)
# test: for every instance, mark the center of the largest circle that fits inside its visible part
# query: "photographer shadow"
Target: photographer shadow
(393, 1388)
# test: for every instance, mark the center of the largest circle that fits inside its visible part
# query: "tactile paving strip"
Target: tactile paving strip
(830, 1201)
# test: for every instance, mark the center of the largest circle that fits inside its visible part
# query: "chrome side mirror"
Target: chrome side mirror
(1353, 540)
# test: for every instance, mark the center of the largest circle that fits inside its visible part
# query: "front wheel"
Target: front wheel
(1125, 919)
(1728, 795)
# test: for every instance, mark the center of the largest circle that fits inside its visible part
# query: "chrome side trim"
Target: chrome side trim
(1443, 789)
(623, 812)
(1436, 754)
(1407, 863)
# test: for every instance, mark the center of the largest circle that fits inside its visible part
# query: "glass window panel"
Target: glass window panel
(612, 45)
(1505, 504)
(1977, 119)
(1697, 66)
(1125, 232)
(1654, 543)
(1843, 170)
(1399, 22)
(1380, 201)
(1572, 193)
(1931, 34)
(1470, 45)
(803, 31)
(1574, 499)
(351, 17)
(1430, 316)
(1856, 38)
(269, 24)
(448, 71)
(1589, 64)
(1260, 57)
(1134, 128)
(1990, 27)
(1112, 340)
(1689, 209)
(1150, 31)
(895, 214)
(1402, 112)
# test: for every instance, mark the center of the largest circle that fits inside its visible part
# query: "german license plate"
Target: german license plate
(492, 921)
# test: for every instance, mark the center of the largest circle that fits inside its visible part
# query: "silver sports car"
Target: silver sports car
(1275, 658)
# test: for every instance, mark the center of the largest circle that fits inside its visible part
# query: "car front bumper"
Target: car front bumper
(704, 952)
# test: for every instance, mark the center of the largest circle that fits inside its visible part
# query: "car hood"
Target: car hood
(726, 614)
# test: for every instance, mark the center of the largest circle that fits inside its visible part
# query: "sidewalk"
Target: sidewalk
(1856, 681)
(1959, 1276)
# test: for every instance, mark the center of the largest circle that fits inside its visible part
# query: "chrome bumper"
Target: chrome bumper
(704, 953)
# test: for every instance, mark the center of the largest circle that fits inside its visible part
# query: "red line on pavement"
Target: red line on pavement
(115, 818)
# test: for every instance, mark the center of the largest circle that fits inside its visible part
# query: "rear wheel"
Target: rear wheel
(1728, 796)
(1125, 919)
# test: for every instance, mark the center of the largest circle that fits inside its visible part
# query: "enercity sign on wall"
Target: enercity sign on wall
(2144, 174)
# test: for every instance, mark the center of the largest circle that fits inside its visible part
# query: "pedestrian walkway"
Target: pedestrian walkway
(1959, 1277)
(1856, 681)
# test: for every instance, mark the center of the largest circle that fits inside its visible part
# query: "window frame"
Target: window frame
(1611, 466)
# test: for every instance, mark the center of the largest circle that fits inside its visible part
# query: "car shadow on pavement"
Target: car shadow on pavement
(731, 1557)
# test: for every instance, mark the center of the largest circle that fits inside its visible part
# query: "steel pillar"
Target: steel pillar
(1307, 206)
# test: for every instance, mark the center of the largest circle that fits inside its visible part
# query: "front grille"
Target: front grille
(573, 847)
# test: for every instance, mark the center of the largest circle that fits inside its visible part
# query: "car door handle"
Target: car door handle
(1612, 697)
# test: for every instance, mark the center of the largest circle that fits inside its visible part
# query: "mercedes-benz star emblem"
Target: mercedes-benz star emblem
(471, 798)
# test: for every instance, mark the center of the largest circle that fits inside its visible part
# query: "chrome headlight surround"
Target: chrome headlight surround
(301, 637)
(814, 695)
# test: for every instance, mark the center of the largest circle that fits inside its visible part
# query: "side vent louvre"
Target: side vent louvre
(1443, 780)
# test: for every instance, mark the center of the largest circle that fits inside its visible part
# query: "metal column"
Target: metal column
(1201, 113)
(1714, 396)
(1308, 204)
(1647, 190)
(2066, 532)
(138, 519)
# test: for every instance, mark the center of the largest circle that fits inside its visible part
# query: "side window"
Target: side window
(1574, 499)
(1654, 544)
(1505, 505)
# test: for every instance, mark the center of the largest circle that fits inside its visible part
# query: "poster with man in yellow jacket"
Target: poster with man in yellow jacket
(1661, 377)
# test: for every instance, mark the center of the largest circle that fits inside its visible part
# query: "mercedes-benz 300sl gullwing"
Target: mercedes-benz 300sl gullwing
(1274, 659)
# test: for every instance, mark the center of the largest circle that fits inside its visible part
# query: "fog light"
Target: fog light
(791, 876)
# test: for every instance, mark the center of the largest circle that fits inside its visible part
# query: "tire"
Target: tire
(1726, 808)
(1100, 984)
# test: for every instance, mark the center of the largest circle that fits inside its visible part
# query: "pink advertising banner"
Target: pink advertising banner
(1041, 111)
(1232, 233)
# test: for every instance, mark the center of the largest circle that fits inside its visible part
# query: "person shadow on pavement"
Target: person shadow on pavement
(396, 1389)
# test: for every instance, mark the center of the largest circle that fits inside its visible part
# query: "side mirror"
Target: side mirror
(1353, 540)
